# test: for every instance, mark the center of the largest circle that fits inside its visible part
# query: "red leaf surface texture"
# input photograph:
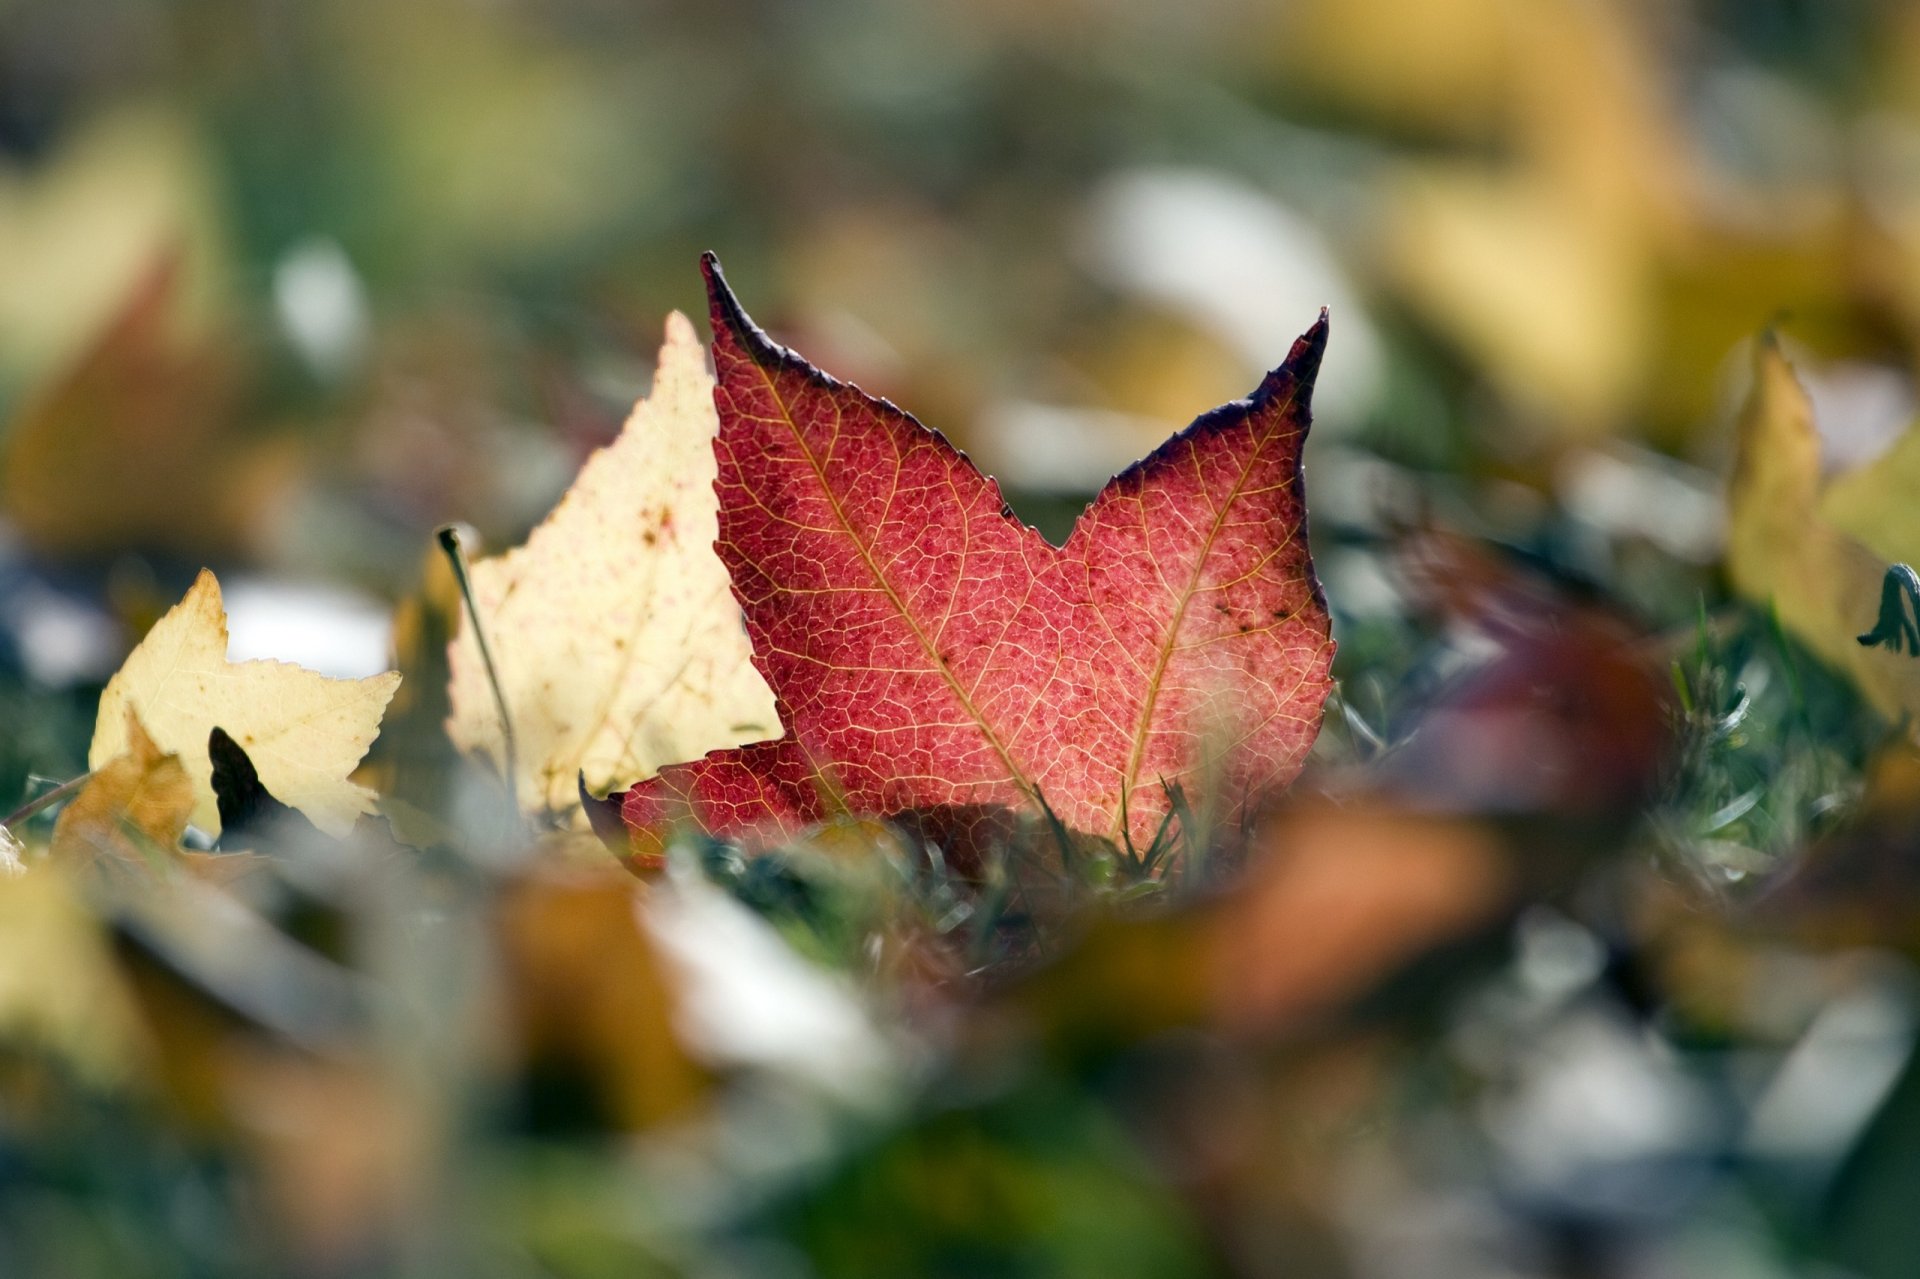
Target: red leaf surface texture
(928, 648)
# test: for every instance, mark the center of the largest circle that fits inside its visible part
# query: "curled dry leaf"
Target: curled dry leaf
(618, 647)
(134, 805)
(1784, 550)
(303, 731)
(414, 764)
(928, 649)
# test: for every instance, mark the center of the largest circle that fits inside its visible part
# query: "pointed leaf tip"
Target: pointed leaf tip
(724, 309)
(730, 321)
(1310, 348)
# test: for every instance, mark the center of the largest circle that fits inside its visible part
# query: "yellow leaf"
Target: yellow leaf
(1539, 261)
(134, 803)
(303, 731)
(1875, 503)
(1551, 300)
(1436, 68)
(615, 635)
(1781, 549)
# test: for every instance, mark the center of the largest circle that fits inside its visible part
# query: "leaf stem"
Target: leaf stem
(449, 538)
(46, 800)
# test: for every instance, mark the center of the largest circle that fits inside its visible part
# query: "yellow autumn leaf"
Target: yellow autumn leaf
(1781, 549)
(1542, 264)
(1553, 301)
(615, 636)
(1414, 64)
(136, 802)
(303, 731)
(1875, 505)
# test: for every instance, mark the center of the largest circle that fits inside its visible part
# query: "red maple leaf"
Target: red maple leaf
(928, 649)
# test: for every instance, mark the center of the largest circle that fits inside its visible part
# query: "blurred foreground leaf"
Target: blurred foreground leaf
(60, 990)
(1336, 901)
(591, 1001)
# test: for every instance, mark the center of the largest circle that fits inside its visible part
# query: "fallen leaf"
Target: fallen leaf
(1874, 503)
(1558, 711)
(1824, 586)
(135, 805)
(1439, 69)
(303, 731)
(1552, 300)
(617, 645)
(341, 1148)
(929, 649)
(133, 811)
(1537, 251)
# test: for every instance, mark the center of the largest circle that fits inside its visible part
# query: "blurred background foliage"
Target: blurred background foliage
(1587, 947)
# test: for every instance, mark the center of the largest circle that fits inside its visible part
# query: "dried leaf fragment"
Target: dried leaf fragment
(134, 805)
